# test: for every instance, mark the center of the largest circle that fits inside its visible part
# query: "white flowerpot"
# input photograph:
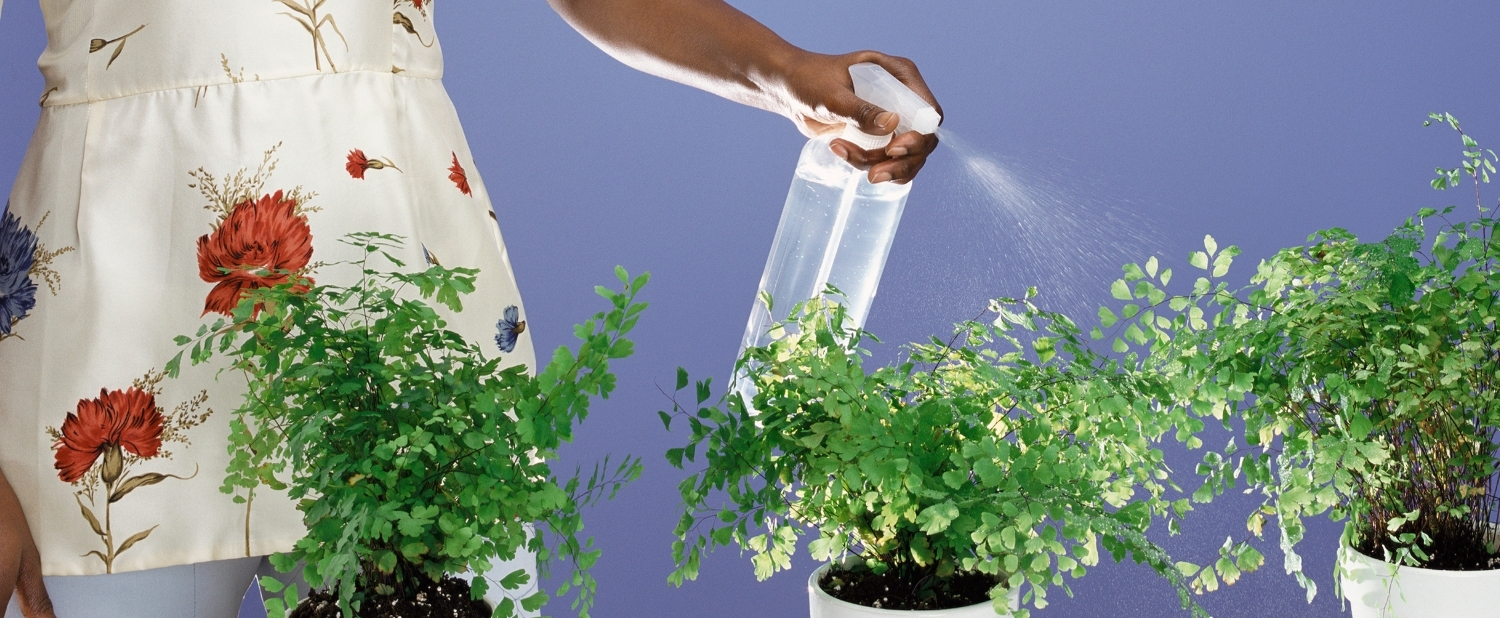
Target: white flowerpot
(822, 605)
(1379, 589)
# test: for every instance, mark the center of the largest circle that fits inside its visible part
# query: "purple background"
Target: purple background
(1258, 125)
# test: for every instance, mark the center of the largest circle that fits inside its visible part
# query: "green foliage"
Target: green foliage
(1365, 375)
(1361, 376)
(1012, 450)
(410, 452)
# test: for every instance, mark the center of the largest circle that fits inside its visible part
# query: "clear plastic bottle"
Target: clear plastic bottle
(837, 227)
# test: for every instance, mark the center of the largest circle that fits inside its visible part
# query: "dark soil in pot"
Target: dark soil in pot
(446, 599)
(889, 590)
(1457, 546)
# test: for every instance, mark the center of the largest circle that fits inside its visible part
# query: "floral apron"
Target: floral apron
(186, 149)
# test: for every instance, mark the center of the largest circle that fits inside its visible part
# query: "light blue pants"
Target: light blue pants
(202, 590)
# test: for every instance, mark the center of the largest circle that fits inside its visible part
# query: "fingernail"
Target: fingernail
(899, 151)
(881, 177)
(882, 118)
(839, 150)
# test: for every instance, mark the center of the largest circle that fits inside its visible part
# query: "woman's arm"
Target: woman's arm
(711, 45)
(20, 563)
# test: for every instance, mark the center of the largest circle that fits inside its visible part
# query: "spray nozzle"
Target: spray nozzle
(876, 85)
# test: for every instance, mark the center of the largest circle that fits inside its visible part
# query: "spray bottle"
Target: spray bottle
(837, 227)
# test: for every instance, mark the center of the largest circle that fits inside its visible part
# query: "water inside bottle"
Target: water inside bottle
(836, 227)
(868, 233)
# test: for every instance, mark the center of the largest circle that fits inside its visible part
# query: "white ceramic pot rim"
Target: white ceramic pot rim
(824, 597)
(1378, 589)
(1359, 555)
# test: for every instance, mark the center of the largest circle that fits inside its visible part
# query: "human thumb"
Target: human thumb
(869, 117)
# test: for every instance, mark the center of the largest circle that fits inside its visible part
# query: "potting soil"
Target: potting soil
(446, 599)
(1457, 546)
(861, 586)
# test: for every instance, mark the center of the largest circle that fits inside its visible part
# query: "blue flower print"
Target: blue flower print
(510, 327)
(17, 255)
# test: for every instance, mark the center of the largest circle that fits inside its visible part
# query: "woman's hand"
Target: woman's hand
(819, 97)
(710, 45)
(20, 563)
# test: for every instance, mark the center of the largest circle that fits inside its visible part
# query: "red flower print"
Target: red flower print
(357, 164)
(417, 3)
(96, 444)
(125, 419)
(257, 246)
(457, 175)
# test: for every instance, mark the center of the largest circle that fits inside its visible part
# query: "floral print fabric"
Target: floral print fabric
(17, 290)
(168, 176)
(260, 243)
(98, 49)
(23, 260)
(100, 444)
